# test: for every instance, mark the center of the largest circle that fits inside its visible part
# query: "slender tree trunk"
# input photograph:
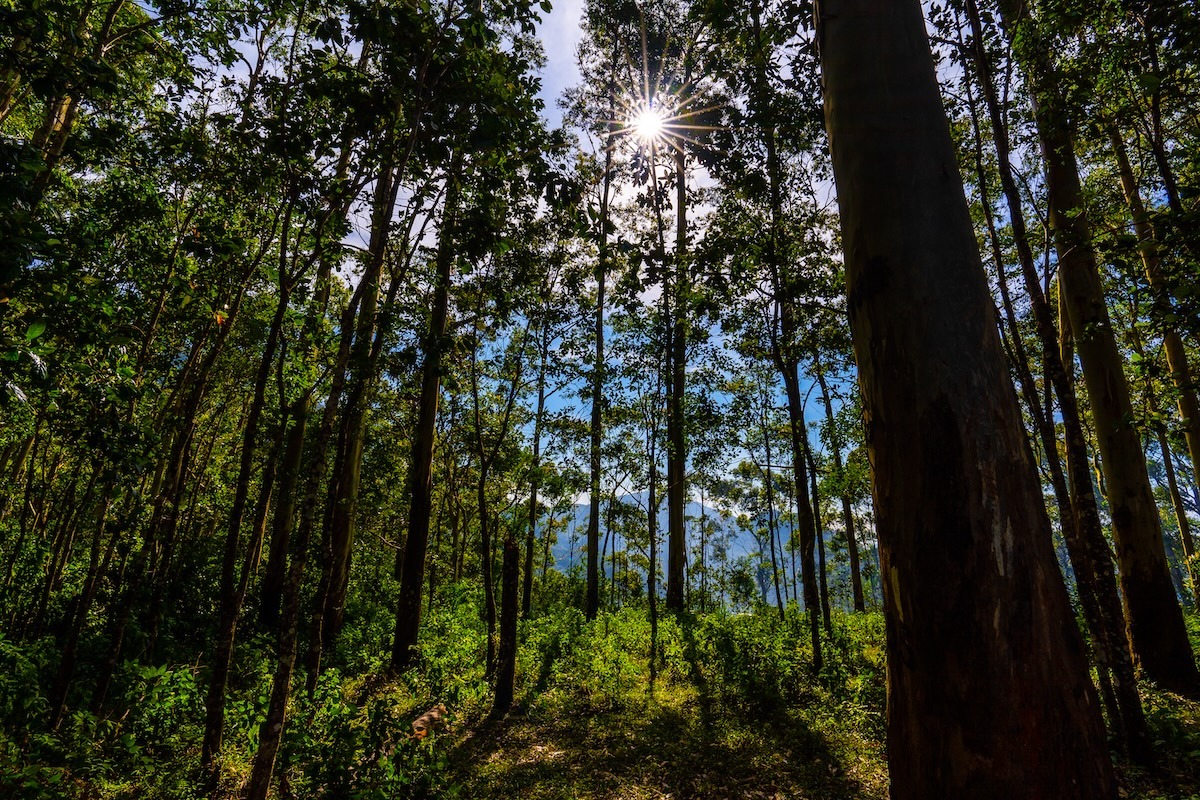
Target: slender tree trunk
(270, 732)
(83, 604)
(535, 472)
(676, 441)
(1148, 247)
(506, 656)
(805, 516)
(230, 602)
(271, 590)
(596, 430)
(1181, 517)
(1082, 526)
(411, 562)
(770, 481)
(819, 534)
(835, 441)
(344, 509)
(652, 572)
(1153, 616)
(982, 646)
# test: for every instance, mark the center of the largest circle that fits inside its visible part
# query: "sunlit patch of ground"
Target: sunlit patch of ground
(670, 746)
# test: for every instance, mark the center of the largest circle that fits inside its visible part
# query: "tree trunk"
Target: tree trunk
(271, 590)
(983, 651)
(411, 561)
(769, 480)
(596, 430)
(835, 441)
(1153, 616)
(676, 441)
(1082, 527)
(1181, 517)
(230, 593)
(506, 657)
(805, 516)
(1148, 247)
(819, 534)
(270, 732)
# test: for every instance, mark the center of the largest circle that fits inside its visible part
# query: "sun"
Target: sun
(648, 124)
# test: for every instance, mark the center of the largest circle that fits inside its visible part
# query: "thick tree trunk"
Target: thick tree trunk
(1153, 616)
(988, 695)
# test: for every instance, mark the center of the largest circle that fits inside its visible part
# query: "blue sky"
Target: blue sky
(560, 35)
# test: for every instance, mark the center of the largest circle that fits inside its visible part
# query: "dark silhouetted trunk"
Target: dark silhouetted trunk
(410, 563)
(819, 535)
(596, 430)
(676, 441)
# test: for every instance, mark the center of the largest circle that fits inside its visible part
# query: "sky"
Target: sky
(560, 34)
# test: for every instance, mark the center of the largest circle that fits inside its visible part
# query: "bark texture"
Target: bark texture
(988, 694)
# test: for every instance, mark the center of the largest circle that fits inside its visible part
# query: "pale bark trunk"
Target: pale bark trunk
(1153, 617)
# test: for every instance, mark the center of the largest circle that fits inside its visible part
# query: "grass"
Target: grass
(735, 711)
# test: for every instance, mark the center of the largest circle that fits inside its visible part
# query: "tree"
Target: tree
(982, 648)
(1153, 616)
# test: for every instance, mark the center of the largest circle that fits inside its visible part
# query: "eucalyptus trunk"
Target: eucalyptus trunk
(1082, 527)
(988, 693)
(1153, 617)
(1150, 251)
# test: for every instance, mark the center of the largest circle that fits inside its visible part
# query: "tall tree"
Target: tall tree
(983, 651)
(1153, 616)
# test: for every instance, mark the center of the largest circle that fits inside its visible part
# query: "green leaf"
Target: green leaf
(35, 329)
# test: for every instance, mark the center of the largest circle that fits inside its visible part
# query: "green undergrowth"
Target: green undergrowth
(736, 709)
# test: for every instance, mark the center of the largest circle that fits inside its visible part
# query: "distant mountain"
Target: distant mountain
(569, 550)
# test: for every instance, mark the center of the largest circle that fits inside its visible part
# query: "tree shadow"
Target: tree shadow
(662, 749)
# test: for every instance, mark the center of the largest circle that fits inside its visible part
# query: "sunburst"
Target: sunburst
(658, 109)
(648, 124)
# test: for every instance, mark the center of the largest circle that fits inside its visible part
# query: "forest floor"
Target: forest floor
(674, 744)
(736, 711)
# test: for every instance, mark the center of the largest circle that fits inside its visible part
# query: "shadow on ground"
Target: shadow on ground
(663, 749)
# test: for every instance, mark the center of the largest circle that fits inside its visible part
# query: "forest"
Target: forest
(802, 402)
